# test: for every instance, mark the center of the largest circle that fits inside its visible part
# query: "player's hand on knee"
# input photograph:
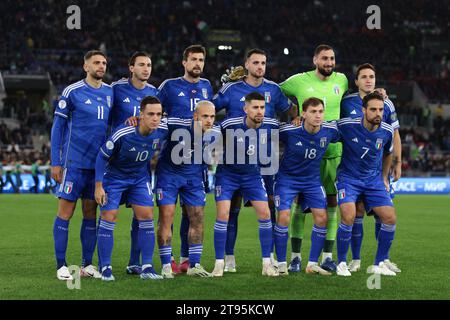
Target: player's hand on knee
(57, 173)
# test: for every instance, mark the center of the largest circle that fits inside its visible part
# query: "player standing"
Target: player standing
(363, 175)
(299, 174)
(248, 135)
(231, 97)
(329, 86)
(122, 168)
(351, 107)
(128, 94)
(180, 173)
(79, 129)
(179, 96)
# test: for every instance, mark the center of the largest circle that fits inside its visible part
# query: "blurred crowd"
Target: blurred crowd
(409, 44)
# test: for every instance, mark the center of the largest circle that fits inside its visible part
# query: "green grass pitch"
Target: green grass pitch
(28, 267)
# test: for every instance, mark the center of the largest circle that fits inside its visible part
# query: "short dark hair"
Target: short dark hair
(364, 66)
(149, 100)
(254, 96)
(92, 53)
(372, 96)
(138, 54)
(195, 48)
(254, 51)
(322, 47)
(314, 102)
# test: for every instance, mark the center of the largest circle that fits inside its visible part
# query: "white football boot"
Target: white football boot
(342, 269)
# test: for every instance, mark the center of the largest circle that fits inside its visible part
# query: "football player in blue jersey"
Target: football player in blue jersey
(179, 96)
(128, 94)
(180, 173)
(363, 175)
(122, 168)
(351, 106)
(244, 138)
(299, 174)
(231, 97)
(79, 129)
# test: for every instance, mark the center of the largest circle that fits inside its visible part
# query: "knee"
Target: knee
(283, 218)
(264, 214)
(321, 220)
(348, 218)
(110, 217)
(390, 218)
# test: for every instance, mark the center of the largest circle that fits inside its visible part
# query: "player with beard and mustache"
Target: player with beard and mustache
(179, 96)
(79, 130)
(326, 84)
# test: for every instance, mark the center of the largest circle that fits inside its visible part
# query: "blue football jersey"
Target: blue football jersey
(183, 153)
(231, 97)
(179, 96)
(87, 112)
(351, 107)
(243, 146)
(304, 151)
(129, 152)
(362, 156)
(127, 100)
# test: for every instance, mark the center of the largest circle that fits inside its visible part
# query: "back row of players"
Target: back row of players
(114, 170)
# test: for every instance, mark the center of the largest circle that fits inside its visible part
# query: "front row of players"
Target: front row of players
(121, 172)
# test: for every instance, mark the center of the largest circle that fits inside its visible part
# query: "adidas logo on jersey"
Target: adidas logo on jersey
(353, 112)
(181, 94)
(355, 140)
(299, 143)
(126, 100)
(88, 101)
(310, 89)
(240, 140)
(132, 149)
(242, 99)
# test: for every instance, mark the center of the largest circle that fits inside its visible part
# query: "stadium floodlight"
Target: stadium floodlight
(222, 47)
(286, 51)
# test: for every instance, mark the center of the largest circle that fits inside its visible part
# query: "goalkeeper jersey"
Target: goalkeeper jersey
(306, 85)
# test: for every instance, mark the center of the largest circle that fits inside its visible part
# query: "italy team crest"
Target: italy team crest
(276, 201)
(155, 144)
(342, 194)
(205, 93)
(159, 194)
(218, 191)
(379, 143)
(68, 187)
(267, 96)
(323, 142)
(336, 89)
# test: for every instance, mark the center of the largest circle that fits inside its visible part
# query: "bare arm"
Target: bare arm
(397, 158)
(387, 162)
